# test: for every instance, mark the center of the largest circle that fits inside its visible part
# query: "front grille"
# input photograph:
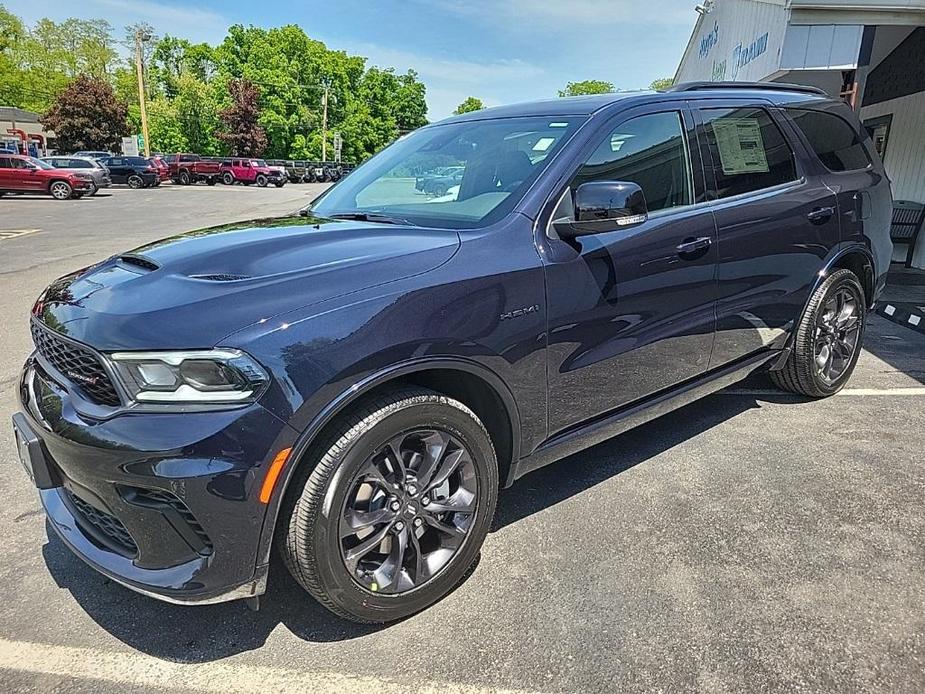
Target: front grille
(78, 364)
(160, 498)
(110, 530)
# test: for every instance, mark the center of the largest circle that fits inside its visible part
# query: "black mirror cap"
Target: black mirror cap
(604, 206)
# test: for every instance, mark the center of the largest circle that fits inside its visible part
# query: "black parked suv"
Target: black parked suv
(352, 385)
(136, 172)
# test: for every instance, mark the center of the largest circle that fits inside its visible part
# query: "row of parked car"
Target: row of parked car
(84, 173)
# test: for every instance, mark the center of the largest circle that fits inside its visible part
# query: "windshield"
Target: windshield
(456, 176)
(40, 164)
(258, 162)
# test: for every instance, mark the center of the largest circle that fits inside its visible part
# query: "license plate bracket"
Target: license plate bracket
(32, 455)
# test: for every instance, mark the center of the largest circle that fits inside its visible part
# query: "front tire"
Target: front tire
(828, 339)
(392, 511)
(61, 190)
(135, 181)
(262, 181)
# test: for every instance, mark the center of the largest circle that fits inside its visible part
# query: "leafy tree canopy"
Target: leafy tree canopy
(189, 86)
(87, 115)
(470, 104)
(661, 84)
(587, 87)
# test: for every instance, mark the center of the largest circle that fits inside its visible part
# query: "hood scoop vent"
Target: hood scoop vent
(220, 277)
(139, 261)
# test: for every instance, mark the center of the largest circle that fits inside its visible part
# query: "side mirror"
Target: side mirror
(604, 206)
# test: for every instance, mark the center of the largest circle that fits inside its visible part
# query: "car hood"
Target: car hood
(190, 291)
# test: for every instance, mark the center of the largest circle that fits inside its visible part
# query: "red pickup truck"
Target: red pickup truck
(191, 168)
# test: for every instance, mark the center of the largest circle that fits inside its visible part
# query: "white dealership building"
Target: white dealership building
(871, 52)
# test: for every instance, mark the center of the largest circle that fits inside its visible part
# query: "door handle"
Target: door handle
(690, 246)
(821, 214)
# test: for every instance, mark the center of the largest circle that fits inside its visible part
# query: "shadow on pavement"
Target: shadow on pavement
(212, 632)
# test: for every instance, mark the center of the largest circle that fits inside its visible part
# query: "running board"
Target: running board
(578, 440)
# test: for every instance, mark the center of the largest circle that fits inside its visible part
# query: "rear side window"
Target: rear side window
(747, 149)
(832, 138)
(80, 164)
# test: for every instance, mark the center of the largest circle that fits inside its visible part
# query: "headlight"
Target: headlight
(206, 376)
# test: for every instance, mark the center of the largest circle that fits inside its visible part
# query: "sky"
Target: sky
(501, 51)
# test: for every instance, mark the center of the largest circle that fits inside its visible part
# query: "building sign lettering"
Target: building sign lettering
(742, 56)
(708, 41)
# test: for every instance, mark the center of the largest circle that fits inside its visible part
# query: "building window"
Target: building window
(879, 130)
(747, 149)
(832, 138)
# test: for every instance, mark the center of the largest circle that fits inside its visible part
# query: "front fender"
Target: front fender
(351, 394)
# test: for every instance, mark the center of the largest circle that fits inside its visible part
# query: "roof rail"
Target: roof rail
(768, 86)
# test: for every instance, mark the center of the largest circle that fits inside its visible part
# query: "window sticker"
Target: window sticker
(741, 149)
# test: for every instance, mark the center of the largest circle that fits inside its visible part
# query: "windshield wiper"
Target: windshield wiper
(376, 217)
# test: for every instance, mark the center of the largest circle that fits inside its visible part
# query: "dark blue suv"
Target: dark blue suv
(353, 384)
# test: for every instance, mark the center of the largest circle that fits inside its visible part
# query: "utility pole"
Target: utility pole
(139, 37)
(324, 121)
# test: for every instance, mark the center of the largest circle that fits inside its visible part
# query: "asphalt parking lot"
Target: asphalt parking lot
(751, 541)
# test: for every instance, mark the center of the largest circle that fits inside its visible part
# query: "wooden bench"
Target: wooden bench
(907, 222)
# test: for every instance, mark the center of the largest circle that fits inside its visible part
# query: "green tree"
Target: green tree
(196, 108)
(87, 115)
(470, 104)
(586, 87)
(242, 132)
(661, 84)
(164, 128)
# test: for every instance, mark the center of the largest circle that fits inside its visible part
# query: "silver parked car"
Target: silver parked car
(97, 172)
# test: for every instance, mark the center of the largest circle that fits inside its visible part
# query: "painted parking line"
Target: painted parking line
(13, 233)
(911, 391)
(139, 670)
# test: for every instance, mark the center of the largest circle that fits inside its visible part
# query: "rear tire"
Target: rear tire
(828, 339)
(228, 179)
(419, 532)
(185, 178)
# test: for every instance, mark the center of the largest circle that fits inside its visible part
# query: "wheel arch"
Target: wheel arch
(474, 385)
(859, 260)
(856, 258)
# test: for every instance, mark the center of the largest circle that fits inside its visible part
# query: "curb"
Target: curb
(907, 314)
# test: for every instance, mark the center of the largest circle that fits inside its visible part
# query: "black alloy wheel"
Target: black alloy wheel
(185, 178)
(838, 329)
(408, 511)
(261, 180)
(827, 341)
(135, 181)
(389, 513)
(228, 178)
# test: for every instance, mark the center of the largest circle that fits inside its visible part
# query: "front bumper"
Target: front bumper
(163, 503)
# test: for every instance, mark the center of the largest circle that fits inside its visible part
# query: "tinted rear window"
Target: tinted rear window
(747, 150)
(833, 140)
